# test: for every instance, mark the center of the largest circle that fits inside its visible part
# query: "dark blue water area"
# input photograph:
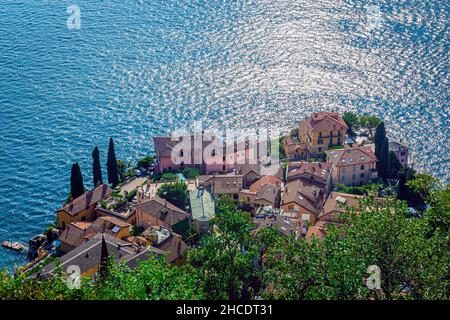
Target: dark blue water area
(141, 68)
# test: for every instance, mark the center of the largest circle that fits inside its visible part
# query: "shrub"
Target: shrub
(168, 176)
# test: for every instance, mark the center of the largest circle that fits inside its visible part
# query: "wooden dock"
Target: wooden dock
(16, 246)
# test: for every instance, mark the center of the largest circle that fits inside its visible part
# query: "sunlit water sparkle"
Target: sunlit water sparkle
(140, 68)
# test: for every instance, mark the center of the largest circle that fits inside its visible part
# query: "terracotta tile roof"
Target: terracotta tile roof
(293, 147)
(315, 232)
(163, 210)
(337, 203)
(87, 199)
(145, 254)
(324, 121)
(88, 255)
(223, 183)
(82, 225)
(319, 230)
(268, 192)
(245, 169)
(272, 180)
(174, 247)
(107, 224)
(280, 223)
(351, 156)
(305, 194)
(74, 235)
(320, 170)
(164, 145)
(78, 232)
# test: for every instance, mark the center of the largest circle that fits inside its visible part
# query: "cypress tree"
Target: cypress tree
(111, 165)
(394, 165)
(76, 181)
(380, 135)
(104, 255)
(383, 169)
(96, 167)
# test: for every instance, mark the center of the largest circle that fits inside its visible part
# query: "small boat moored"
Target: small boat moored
(16, 246)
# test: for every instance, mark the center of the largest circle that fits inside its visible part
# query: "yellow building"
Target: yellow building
(83, 207)
(321, 131)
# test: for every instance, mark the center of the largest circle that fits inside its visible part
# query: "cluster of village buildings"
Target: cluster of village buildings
(298, 199)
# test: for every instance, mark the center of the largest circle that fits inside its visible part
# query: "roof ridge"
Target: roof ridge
(327, 116)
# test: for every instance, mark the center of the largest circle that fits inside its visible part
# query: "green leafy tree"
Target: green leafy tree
(352, 121)
(176, 193)
(359, 190)
(145, 162)
(111, 165)
(96, 167)
(369, 123)
(438, 215)
(190, 173)
(412, 265)
(423, 184)
(405, 193)
(168, 176)
(226, 259)
(152, 279)
(122, 170)
(76, 181)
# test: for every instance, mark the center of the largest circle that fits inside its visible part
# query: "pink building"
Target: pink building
(353, 166)
(208, 155)
(401, 152)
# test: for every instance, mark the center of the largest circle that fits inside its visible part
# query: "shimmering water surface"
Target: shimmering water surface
(139, 68)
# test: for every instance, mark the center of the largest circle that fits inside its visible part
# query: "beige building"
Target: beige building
(77, 233)
(160, 212)
(314, 172)
(353, 166)
(266, 195)
(336, 205)
(302, 200)
(321, 131)
(294, 149)
(219, 184)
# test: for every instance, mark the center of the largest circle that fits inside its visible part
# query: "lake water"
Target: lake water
(140, 68)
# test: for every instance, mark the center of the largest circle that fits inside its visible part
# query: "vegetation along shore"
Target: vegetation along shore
(344, 216)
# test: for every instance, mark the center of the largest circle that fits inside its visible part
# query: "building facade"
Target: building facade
(321, 131)
(83, 207)
(401, 152)
(353, 166)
